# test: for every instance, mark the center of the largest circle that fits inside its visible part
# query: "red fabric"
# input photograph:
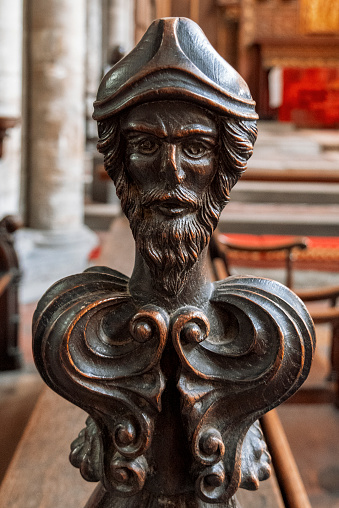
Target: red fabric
(95, 253)
(311, 97)
(322, 253)
(330, 242)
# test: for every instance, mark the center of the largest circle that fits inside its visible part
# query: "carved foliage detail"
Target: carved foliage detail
(86, 451)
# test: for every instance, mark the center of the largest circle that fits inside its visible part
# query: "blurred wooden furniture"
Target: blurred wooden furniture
(291, 175)
(262, 175)
(10, 357)
(6, 123)
(220, 244)
(325, 310)
(324, 303)
(285, 467)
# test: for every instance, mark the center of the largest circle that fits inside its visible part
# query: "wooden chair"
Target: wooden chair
(324, 307)
(325, 311)
(221, 244)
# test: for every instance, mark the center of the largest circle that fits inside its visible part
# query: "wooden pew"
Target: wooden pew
(291, 175)
(10, 357)
(263, 175)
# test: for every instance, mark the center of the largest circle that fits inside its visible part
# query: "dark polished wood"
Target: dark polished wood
(173, 369)
(46, 452)
(10, 357)
(220, 244)
(292, 175)
(5, 124)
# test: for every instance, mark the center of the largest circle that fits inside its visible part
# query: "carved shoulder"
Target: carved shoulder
(255, 352)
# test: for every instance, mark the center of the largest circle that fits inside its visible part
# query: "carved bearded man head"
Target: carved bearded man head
(176, 128)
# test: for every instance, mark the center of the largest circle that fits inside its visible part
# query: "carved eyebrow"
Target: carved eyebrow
(197, 129)
(160, 133)
(144, 129)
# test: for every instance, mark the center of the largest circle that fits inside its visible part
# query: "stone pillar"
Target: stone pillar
(56, 113)
(246, 39)
(54, 89)
(10, 102)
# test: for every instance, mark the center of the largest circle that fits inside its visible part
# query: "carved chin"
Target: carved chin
(170, 248)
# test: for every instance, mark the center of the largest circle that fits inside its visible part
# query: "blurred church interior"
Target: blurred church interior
(53, 54)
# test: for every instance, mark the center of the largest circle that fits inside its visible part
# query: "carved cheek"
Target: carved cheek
(143, 170)
(200, 173)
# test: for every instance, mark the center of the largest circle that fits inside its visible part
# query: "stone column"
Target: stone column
(145, 12)
(55, 139)
(56, 113)
(10, 102)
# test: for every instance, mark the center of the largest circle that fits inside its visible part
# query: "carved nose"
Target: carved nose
(172, 166)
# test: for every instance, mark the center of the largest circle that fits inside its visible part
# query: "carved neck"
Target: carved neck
(195, 291)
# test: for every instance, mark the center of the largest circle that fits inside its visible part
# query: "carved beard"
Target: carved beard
(170, 246)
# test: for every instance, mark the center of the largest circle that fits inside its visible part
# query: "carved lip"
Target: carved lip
(172, 207)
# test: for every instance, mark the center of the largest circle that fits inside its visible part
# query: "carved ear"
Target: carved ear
(230, 379)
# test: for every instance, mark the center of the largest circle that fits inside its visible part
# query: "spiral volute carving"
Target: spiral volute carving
(208, 447)
(212, 483)
(128, 477)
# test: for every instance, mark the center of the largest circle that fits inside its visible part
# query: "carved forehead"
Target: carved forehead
(164, 118)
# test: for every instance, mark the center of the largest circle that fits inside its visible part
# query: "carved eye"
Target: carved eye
(196, 149)
(147, 146)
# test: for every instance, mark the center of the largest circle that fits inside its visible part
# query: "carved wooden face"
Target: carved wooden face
(171, 153)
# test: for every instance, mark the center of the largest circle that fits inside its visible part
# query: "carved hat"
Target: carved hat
(174, 61)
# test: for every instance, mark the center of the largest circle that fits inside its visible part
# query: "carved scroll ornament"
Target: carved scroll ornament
(173, 370)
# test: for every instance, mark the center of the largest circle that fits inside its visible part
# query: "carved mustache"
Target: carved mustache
(183, 196)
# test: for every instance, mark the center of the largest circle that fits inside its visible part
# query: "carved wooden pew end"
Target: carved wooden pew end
(174, 370)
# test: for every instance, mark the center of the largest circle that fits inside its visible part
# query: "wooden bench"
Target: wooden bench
(262, 175)
(291, 175)
(10, 357)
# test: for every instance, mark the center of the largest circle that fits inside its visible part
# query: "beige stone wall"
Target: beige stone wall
(10, 102)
